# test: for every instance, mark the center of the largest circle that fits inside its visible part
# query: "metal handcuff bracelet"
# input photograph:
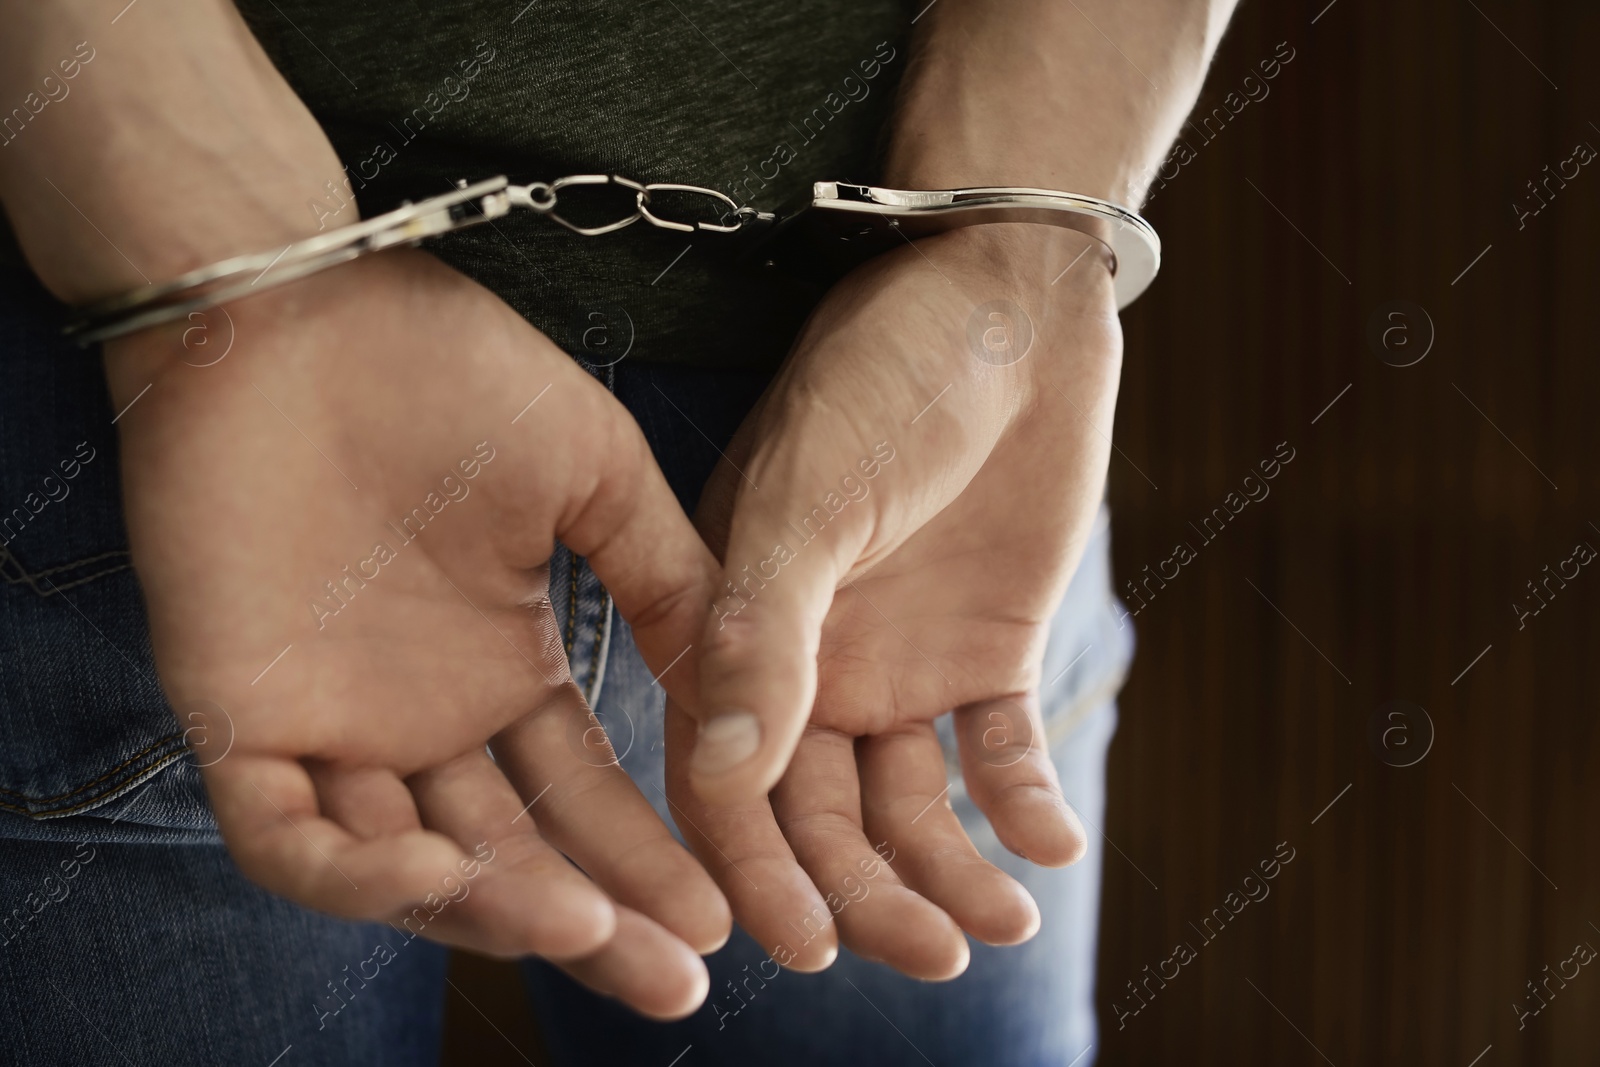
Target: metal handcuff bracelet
(842, 222)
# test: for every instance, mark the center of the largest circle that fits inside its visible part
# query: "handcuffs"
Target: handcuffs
(842, 224)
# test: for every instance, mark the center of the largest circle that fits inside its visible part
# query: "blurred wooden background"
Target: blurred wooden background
(1384, 161)
(1382, 164)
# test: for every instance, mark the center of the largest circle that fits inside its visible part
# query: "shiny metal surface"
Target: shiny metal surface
(1134, 247)
(889, 214)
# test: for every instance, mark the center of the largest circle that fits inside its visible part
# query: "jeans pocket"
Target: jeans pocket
(82, 716)
(49, 581)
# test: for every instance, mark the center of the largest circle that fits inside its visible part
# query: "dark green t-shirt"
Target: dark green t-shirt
(753, 98)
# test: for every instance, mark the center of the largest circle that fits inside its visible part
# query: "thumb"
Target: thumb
(789, 544)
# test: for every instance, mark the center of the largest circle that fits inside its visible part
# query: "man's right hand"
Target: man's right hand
(342, 527)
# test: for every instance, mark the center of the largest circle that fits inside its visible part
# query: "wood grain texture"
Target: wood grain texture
(1418, 907)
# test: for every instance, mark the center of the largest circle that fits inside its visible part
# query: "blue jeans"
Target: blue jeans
(127, 934)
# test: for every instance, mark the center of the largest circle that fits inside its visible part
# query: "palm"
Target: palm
(324, 444)
(940, 624)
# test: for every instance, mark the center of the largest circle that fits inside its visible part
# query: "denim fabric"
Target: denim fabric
(82, 719)
(164, 954)
(124, 928)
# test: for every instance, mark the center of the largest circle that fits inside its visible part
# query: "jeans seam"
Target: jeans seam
(144, 770)
(572, 607)
(1062, 726)
(30, 578)
(599, 642)
(95, 781)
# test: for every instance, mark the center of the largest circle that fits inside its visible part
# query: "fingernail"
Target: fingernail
(726, 741)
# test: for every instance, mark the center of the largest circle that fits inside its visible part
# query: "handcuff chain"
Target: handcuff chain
(542, 197)
(1133, 246)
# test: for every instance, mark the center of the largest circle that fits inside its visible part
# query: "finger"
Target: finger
(818, 805)
(758, 658)
(266, 808)
(525, 897)
(368, 801)
(905, 802)
(782, 562)
(647, 968)
(517, 894)
(598, 817)
(642, 546)
(1005, 760)
(742, 847)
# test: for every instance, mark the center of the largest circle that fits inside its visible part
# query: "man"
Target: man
(380, 523)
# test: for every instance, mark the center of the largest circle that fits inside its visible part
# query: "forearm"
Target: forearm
(174, 144)
(1080, 95)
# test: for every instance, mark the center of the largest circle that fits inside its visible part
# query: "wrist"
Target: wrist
(225, 348)
(1040, 267)
(206, 350)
